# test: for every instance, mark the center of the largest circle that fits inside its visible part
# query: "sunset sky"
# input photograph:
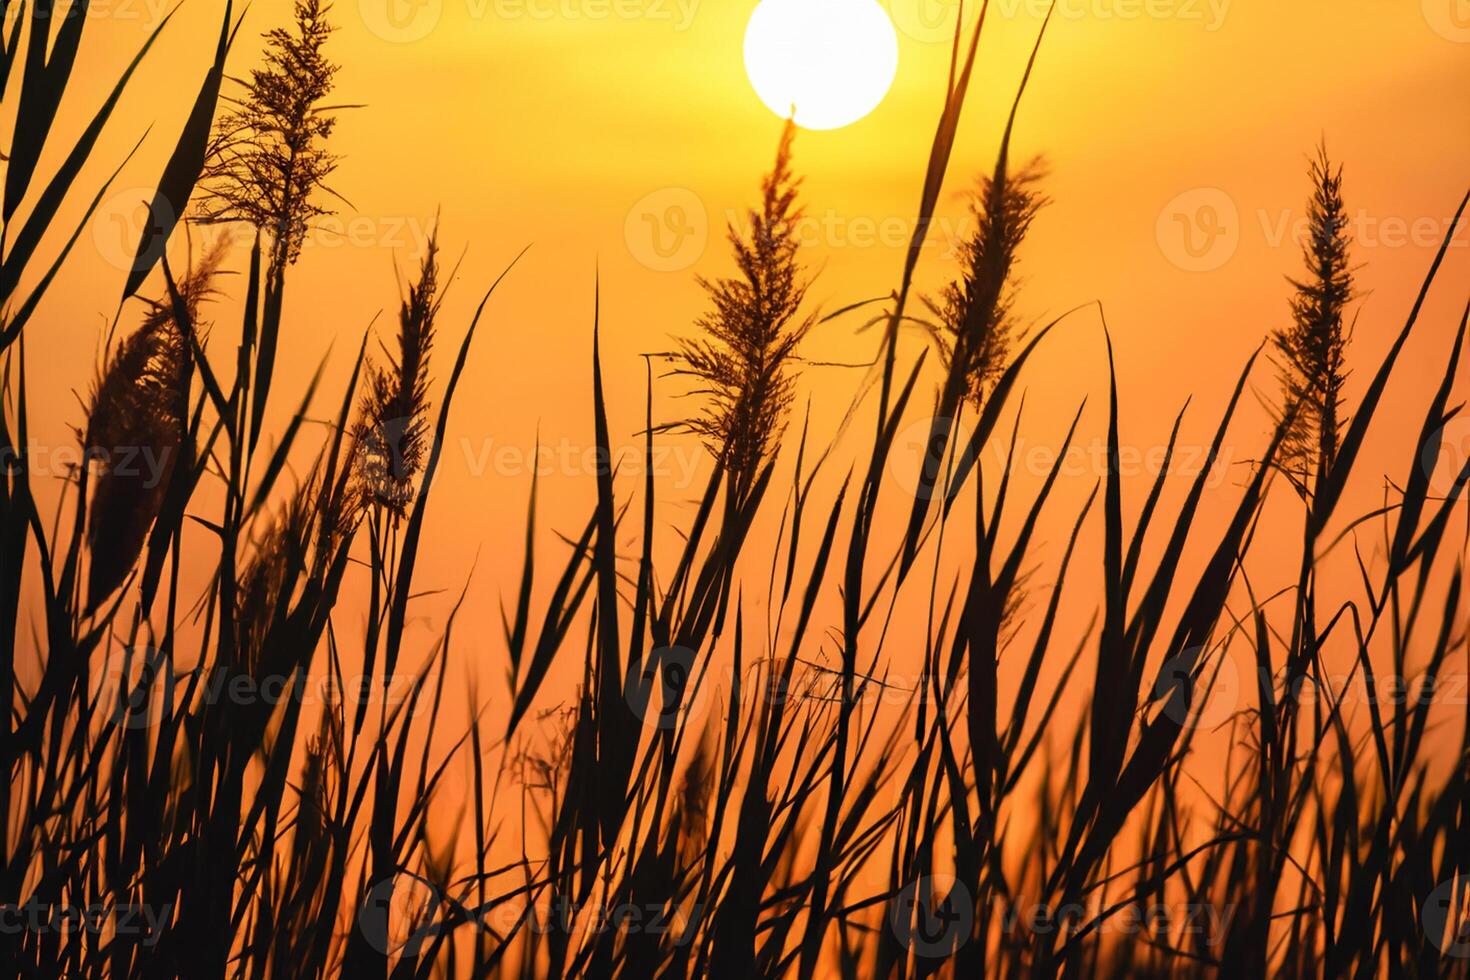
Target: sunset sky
(618, 137)
(336, 645)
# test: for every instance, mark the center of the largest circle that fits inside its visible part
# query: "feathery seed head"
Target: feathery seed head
(136, 427)
(975, 328)
(750, 337)
(392, 430)
(1312, 350)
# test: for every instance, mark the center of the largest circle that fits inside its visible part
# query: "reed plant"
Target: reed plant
(175, 807)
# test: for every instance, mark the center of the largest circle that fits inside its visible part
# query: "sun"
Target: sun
(831, 61)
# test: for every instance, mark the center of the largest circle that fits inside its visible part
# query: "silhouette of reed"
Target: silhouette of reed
(1313, 348)
(742, 358)
(974, 326)
(170, 784)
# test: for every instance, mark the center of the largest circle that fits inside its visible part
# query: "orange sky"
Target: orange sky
(577, 125)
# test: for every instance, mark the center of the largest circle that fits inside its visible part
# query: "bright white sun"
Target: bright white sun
(832, 61)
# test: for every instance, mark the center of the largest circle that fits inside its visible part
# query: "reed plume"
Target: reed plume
(1312, 350)
(268, 159)
(136, 427)
(392, 429)
(751, 336)
(318, 783)
(975, 328)
(270, 577)
(692, 807)
(313, 843)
